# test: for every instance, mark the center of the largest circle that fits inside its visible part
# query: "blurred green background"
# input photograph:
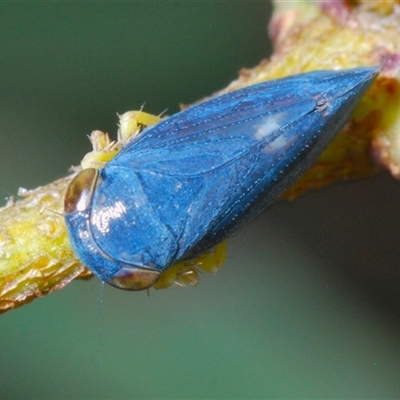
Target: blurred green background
(307, 304)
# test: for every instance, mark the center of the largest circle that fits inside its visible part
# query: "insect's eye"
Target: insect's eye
(134, 278)
(80, 191)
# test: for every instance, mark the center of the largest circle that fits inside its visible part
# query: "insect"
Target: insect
(187, 183)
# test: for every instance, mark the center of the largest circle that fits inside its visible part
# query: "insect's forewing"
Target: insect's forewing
(190, 181)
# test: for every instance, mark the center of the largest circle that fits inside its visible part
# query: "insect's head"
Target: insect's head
(78, 210)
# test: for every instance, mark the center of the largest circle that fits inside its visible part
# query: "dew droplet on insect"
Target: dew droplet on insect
(269, 124)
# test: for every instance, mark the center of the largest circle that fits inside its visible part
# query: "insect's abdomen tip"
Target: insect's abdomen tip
(364, 74)
(347, 87)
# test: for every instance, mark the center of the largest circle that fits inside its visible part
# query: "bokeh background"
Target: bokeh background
(307, 304)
